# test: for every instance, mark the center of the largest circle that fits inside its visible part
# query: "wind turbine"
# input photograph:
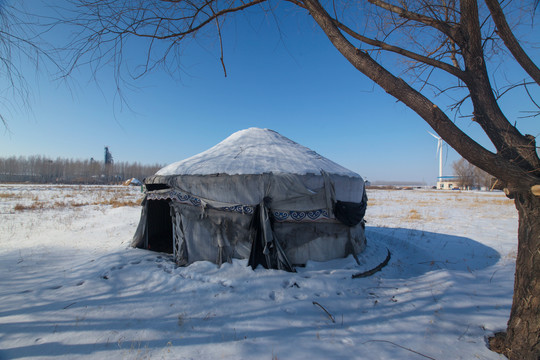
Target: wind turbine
(439, 152)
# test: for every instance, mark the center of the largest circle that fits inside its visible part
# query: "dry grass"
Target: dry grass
(505, 202)
(19, 207)
(118, 202)
(61, 204)
(461, 198)
(9, 196)
(413, 215)
(40, 205)
(78, 204)
(36, 205)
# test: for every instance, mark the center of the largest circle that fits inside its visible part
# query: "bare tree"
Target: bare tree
(444, 44)
(465, 173)
(21, 42)
(483, 179)
(469, 176)
(39, 169)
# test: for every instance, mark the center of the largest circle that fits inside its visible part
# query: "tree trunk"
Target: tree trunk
(522, 338)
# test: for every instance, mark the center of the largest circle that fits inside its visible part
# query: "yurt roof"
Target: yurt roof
(256, 151)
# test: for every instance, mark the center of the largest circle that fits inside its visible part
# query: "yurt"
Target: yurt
(256, 195)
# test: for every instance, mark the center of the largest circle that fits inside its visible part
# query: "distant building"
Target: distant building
(447, 182)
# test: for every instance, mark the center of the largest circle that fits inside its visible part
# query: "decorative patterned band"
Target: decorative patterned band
(279, 215)
(312, 215)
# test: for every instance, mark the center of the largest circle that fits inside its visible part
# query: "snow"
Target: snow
(255, 151)
(73, 288)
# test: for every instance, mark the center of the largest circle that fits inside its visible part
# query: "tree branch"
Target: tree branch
(443, 27)
(453, 70)
(213, 17)
(132, 27)
(431, 113)
(511, 42)
(508, 141)
(220, 41)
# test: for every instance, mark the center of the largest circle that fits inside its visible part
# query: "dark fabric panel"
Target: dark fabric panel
(275, 257)
(350, 213)
(159, 226)
(256, 257)
(152, 187)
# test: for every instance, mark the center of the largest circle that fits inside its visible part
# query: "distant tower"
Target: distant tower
(108, 165)
(108, 156)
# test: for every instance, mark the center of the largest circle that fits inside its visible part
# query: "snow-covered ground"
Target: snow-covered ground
(71, 287)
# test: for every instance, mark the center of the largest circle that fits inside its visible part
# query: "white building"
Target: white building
(447, 182)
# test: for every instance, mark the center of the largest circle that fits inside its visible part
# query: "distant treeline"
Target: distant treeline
(40, 169)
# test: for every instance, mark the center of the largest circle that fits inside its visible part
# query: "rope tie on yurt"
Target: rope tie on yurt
(266, 227)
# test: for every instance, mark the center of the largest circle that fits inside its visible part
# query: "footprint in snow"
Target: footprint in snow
(289, 284)
(276, 295)
(165, 268)
(322, 294)
(226, 283)
(289, 310)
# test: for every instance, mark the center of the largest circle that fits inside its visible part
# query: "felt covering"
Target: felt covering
(255, 190)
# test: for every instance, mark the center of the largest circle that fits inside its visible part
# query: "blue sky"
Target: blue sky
(292, 81)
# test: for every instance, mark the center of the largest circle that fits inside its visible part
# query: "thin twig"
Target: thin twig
(530, 96)
(73, 303)
(326, 311)
(402, 347)
(375, 269)
(220, 40)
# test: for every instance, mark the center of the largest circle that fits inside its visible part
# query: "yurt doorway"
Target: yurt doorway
(159, 231)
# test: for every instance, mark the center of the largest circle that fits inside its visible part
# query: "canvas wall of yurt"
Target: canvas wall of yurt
(256, 195)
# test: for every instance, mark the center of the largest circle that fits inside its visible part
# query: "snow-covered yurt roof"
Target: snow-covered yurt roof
(256, 151)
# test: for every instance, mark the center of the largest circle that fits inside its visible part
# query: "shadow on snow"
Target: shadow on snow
(116, 301)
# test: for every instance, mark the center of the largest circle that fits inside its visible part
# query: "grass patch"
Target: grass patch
(9, 196)
(414, 215)
(495, 201)
(36, 205)
(78, 204)
(19, 207)
(118, 202)
(40, 205)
